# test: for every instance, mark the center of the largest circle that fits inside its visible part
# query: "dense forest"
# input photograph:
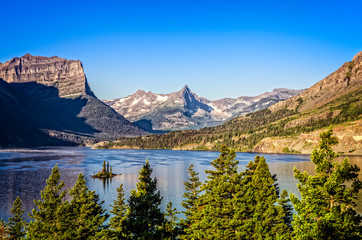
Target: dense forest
(228, 205)
(243, 133)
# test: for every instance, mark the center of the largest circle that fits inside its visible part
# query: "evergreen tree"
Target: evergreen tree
(48, 221)
(85, 213)
(104, 167)
(285, 203)
(119, 211)
(145, 219)
(16, 222)
(192, 194)
(171, 228)
(257, 214)
(326, 209)
(107, 167)
(4, 232)
(213, 218)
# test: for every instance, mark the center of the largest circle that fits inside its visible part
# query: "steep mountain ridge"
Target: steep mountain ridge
(290, 126)
(345, 79)
(59, 104)
(186, 110)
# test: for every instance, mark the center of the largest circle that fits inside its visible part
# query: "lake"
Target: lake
(23, 171)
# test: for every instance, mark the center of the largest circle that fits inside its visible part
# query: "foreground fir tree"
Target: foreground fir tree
(4, 232)
(48, 220)
(145, 219)
(85, 214)
(326, 209)
(119, 211)
(257, 213)
(285, 203)
(215, 211)
(171, 225)
(191, 197)
(16, 222)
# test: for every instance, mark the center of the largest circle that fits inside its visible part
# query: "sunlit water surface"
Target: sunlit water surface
(23, 171)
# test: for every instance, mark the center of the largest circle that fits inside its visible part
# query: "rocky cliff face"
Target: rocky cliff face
(51, 96)
(65, 75)
(186, 110)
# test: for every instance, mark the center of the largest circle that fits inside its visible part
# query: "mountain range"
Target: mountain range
(290, 126)
(186, 110)
(48, 101)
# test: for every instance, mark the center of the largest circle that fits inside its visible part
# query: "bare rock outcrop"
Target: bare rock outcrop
(349, 141)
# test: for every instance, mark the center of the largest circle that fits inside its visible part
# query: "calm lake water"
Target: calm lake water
(23, 171)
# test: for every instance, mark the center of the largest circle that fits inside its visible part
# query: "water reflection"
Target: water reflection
(23, 172)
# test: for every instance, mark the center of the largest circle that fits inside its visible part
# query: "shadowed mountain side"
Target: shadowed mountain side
(147, 126)
(21, 121)
(31, 112)
(57, 97)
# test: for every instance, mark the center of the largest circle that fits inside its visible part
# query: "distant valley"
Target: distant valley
(184, 109)
(290, 126)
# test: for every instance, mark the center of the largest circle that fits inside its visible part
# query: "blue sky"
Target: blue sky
(218, 48)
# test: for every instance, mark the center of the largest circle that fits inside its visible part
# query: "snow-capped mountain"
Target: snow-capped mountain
(186, 110)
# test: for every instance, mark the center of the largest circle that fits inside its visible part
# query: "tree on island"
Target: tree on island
(326, 209)
(16, 222)
(145, 219)
(106, 171)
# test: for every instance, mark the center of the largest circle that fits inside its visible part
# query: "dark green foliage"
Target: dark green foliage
(80, 218)
(257, 215)
(326, 210)
(145, 219)
(106, 172)
(4, 232)
(171, 226)
(191, 197)
(85, 214)
(285, 203)
(16, 222)
(237, 205)
(48, 221)
(119, 211)
(213, 217)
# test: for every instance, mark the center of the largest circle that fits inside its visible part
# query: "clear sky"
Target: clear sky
(218, 48)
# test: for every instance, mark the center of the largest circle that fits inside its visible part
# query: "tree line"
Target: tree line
(229, 205)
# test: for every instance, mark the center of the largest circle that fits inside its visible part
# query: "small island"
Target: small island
(106, 171)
